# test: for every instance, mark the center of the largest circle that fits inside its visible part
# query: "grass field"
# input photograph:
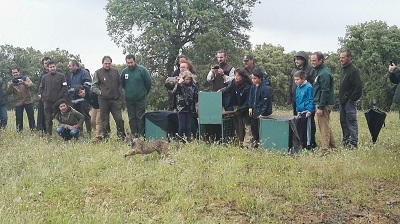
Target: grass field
(81, 182)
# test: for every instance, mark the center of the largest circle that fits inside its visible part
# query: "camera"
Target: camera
(215, 67)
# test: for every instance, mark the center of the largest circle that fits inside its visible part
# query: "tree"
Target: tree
(159, 30)
(278, 65)
(373, 44)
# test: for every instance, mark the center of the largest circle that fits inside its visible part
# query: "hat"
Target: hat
(248, 57)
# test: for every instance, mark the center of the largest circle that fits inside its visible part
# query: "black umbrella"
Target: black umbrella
(375, 120)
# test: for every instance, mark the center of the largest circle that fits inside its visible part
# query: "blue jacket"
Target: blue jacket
(260, 99)
(81, 77)
(304, 98)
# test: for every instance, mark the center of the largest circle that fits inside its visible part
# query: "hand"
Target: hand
(320, 112)
(10, 83)
(72, 127)
(392, 67)
(220, 71)
(250, 113)
(39, 97)
(299, 115)
(308, 114)
(20, 81)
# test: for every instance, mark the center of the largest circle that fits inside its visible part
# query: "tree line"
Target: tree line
(373, 44)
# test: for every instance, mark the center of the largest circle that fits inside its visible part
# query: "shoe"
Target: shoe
(97, 139)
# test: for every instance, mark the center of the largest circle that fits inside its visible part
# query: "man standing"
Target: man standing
(53, 87)
(20, 87)
(324, 99)
(349, 92)
(107, 85)
(136, 82)
(249, 63)
(41, 122)
(220, 76)
(80, 77)
(300, 64)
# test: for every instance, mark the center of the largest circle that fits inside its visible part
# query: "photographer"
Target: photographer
(220, 76)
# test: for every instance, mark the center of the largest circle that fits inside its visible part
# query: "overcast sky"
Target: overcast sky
(79, 25)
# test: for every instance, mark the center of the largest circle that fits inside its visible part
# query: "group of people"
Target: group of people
(311, 92)
(100, 95)
(246, 90)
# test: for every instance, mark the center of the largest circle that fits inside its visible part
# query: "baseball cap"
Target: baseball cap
(248, 57)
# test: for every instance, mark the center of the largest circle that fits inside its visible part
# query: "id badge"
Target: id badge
(126, 76)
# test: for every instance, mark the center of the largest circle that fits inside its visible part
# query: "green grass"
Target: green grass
(64, 182)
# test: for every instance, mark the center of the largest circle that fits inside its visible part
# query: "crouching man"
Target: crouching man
(69, 120)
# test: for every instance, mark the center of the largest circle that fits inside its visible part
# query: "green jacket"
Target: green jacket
(350, 84)
(136, 82)
(323, 87)
(69, 118)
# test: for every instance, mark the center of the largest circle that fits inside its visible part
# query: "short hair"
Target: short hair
(130, 56)
(51, 63)
(15, 67)
(74, 62)
(106, 57)
(45, 59)
(78, 88)
(221, 52)
(300, 74)
(348, 53)
(258, 72)
(319, 55)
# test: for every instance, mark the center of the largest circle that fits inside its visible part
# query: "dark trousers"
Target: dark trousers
(19, 116)
(84, 109)
(225, 103)
(185, 120)
(3, 116)
(113, 106)
(348, 122)
(307, 132)
(136, 111)
(41, 121)
(255, 128)
(48, 116)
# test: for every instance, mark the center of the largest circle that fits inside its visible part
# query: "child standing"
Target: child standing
(186, 96)
(260, 101)
(305, 110)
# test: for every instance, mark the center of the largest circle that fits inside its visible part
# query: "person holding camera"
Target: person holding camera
(20, 87)
(221, 76)
(69, 120)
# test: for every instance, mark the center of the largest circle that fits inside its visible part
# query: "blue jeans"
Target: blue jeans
(3, 116)
(225, 103)
(67, 134)
(19, 116)
(185, 124)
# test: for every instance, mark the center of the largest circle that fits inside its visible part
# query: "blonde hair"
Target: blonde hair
(188, 74)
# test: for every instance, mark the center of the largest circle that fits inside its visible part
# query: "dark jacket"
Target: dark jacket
(21, 92)
(69, 118)
(80, 77)
(395, 78)
(107, 84)
(323, 87)
(53, 87)
(260, 100)
(308, 70)
(186, 97)
(239, 94)
(350, 84)
(136, 83)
